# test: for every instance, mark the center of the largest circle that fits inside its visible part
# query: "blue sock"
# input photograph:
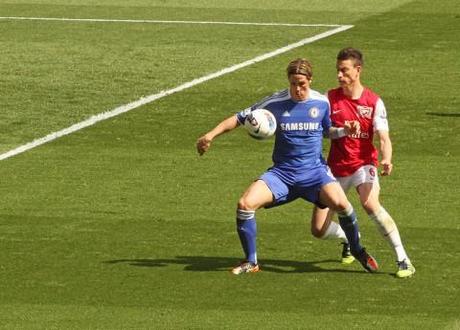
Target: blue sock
(247, 231)
(349, 224)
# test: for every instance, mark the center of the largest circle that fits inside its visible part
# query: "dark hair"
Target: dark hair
(350, 53)
(300, 66)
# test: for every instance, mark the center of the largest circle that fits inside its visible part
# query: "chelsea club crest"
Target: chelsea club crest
(313, 112)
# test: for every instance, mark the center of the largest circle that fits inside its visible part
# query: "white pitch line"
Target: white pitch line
(160, 21)
(148, 99)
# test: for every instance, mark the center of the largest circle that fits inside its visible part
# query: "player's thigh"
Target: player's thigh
(333, 196)
(367, 185)
(364, 174)
(256, 196)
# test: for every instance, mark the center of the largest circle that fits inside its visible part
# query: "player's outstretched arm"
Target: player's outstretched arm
(204, 142)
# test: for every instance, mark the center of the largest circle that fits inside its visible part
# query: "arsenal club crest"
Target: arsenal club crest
(364, 111)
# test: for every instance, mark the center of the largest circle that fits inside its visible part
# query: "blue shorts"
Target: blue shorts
(286, 186)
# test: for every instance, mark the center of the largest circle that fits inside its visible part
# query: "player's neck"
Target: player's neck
(353, 91)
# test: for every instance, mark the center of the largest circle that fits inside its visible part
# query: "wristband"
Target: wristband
(341, 132)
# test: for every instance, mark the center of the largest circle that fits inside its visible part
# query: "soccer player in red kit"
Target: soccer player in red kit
(354, 159)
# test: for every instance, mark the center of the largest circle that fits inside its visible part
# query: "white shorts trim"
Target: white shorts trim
(364, 174)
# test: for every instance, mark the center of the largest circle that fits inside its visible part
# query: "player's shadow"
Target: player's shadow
(443, 114)
(207, 264)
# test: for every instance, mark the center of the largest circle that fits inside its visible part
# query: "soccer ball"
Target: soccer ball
(260, 124)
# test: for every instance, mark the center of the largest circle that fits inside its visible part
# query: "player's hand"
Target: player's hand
(387, 167)
(203, 144)
(352, 127)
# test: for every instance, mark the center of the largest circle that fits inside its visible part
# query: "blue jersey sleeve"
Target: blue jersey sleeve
(326, 122)
(276, 97)
(241, 116)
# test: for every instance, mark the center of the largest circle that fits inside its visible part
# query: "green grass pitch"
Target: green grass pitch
(123, 226)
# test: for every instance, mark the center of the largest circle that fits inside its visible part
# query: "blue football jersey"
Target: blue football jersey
(300, 127)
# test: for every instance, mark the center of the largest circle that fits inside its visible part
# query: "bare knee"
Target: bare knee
(245, 204)
(369, 198)
(317, 232)
(339, 204)
(333, 197)
(319, 222)
(257, 195)
(318, 228)
(370, 205)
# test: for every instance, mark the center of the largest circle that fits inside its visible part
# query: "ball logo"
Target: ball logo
(314, 112)
(252, 120)
(271, 121)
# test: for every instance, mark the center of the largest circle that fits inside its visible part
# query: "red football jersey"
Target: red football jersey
(349, 153)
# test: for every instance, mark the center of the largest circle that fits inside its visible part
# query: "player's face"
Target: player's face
(299, 87)
(347, 72)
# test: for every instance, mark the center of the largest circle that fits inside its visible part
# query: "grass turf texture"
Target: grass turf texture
(122, 225)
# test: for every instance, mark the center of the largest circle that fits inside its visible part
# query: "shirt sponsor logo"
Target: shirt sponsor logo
(364, 111)
(299, 126)
(361, 135)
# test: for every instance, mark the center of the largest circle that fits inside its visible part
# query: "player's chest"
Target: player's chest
(300, 113)
(347, 110)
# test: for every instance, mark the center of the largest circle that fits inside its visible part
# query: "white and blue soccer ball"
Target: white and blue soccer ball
(260, 124)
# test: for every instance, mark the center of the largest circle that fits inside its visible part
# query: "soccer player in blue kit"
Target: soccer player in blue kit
(299, 170)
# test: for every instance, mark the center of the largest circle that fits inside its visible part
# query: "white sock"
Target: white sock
(335, 231)
(390, 232)
(396, 243)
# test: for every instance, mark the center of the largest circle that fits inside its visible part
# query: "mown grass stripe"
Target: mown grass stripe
(148, 99)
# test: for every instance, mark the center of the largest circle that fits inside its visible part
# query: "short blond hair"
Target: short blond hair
(300, 66)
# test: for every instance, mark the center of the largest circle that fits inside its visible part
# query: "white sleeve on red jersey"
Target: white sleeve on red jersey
(380, 122)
